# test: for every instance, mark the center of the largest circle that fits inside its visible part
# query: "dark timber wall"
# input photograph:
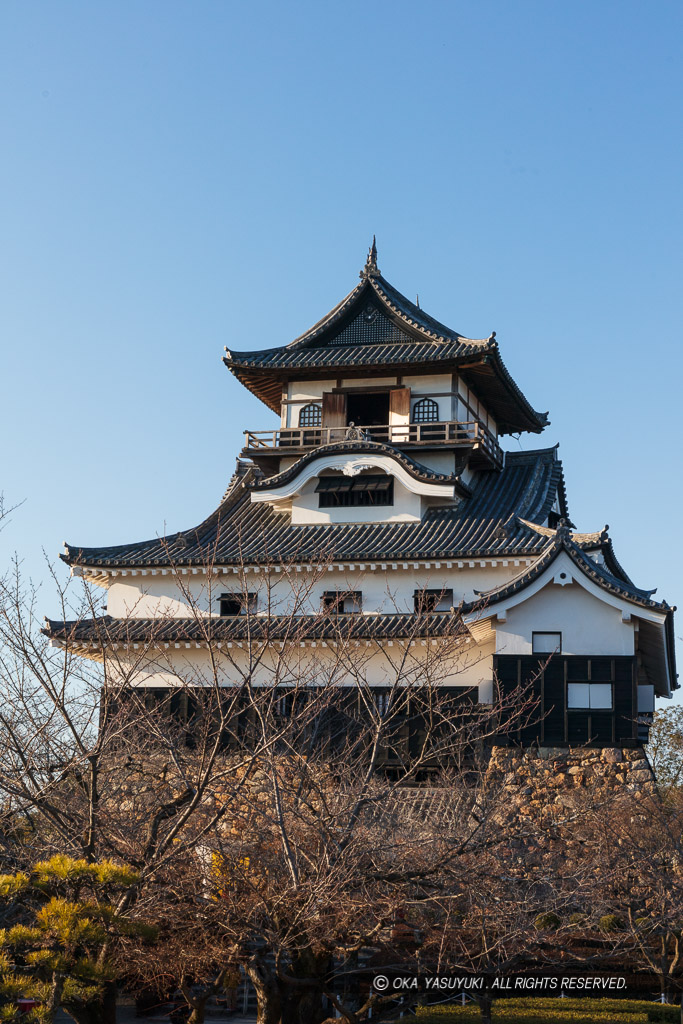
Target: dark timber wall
(554, 724)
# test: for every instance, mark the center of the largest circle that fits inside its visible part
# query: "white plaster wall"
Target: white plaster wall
(306, 390)
(587, 624)
(373, 666)
(374, 382)
(384, 589)
(440, 462)
(425, 383)
(407, 507)
(302, 392)
(431, 384)
(476, 406)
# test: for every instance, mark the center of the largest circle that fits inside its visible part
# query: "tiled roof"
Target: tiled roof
(599, 540)
(106, 629)
(242, 532)
(375, 327)
(562, 540)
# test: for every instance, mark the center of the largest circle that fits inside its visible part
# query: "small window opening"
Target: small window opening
(382, 702)
(283, 704)
(345, 602)
(546, 643)
(426, 411)
(432, 600)
(355, 491)
(236, 604)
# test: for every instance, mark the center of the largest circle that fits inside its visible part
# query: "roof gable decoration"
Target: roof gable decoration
(579, 567)
(351, 465)
(563, 571)
(370, 269)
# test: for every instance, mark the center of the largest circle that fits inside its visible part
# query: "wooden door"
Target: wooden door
(399, 414)
(334, 415)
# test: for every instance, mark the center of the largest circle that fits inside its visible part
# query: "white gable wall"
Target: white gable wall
(407, 507)
(588, 625)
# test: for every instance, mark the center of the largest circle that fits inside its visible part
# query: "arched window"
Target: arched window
(426, 411)
(310, 416)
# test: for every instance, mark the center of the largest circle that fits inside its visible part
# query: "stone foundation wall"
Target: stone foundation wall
(543, 777)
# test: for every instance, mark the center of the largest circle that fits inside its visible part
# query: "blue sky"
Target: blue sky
(178, 176)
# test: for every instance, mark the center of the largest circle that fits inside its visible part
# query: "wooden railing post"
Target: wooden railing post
(449, 431)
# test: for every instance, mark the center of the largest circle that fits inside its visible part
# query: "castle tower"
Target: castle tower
(388, 468)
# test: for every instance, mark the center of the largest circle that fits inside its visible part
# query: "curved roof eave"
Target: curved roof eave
(240, 532)
(175, 543)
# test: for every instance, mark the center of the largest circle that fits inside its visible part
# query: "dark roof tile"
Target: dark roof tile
(395, 625)
(376, 327)
(240, 531)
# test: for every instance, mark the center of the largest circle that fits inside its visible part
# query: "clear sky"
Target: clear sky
(176, 177)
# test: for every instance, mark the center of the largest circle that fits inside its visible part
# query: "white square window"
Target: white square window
(546, 643)
(578, 695)
(589, 696)
(601, 696)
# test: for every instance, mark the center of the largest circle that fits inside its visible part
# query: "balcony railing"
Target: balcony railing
(469, 433)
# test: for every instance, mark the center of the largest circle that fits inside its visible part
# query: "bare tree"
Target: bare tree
(314, 774)
(639, 886)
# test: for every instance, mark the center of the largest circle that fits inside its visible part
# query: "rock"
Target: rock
(553, 753)
(612, 755)
(638, 774)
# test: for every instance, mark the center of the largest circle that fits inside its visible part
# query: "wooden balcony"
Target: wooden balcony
(451, 434)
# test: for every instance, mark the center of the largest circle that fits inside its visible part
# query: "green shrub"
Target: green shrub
(547, 922)
(552, 1010)
(471, 1015)
(663, 1014)
(577, 919)
(610, 923)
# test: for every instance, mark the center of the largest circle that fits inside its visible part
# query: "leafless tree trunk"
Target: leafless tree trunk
(278, 794)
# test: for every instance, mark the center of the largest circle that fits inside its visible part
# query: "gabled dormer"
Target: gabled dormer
(378, 368)
(358, 482)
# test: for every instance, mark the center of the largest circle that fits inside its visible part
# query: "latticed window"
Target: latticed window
(426, 411)
(310, 416)
(352, 492)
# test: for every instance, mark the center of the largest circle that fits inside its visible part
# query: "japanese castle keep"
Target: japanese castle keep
(386, 485)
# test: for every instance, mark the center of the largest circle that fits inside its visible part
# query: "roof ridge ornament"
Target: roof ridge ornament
(370, 269)
(563, 531)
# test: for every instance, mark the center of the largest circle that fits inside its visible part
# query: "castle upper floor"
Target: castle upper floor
(377, 367)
